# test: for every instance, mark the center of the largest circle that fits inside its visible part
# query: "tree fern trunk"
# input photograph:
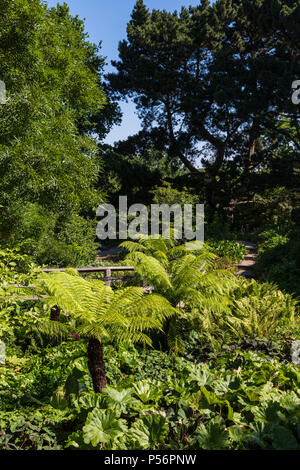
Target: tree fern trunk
(166, 334)
(96, 364)
(55, 314)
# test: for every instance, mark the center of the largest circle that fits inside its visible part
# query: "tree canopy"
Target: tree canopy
(48, 157)
(215, 82)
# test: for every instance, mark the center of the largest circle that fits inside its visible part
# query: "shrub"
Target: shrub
(254, 311)
(278, 261)
(230, 250)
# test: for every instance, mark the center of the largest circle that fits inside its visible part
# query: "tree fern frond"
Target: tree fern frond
(141, 323)
(185, 271)
(156, 306)
(175, 342)
(98, 285)
(177, 252)
(92, 330)
(150, 269)
(134, 336)
(161, 257)
(131, 246)
(99, 311)
(71, 293)
(157, 244)
(72, 271)
(200, 299)
(52, 329)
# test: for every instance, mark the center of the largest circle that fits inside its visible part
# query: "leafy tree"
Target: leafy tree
(166, 194)
(48, 161)
(128, 175)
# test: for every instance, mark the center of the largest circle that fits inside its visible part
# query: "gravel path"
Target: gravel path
(109, 253)
(246, 266)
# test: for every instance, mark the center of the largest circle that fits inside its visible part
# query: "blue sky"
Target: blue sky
(106, 21)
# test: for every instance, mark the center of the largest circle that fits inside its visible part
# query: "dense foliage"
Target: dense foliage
(279, 260)
(230, 385)
(153, 401)
(184, 354)
(48, 161)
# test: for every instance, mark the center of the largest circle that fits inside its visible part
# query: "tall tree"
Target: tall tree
(215, 79)
(48, 161)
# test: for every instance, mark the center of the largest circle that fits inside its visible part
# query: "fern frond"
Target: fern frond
(92, 330)
(72, 271)
(98, 311)
(52, 329)
(175, 341)
(141, 323)
(155, 306)
(71, 293)
(131, 246)
(150, 269)
(135, 337)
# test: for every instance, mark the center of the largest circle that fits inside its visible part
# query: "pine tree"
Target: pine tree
(214, 80)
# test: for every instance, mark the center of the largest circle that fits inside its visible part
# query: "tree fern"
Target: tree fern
(151, 270)
(122, 315)
(184, 278)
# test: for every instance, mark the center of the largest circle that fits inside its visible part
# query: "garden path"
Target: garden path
(246, 266)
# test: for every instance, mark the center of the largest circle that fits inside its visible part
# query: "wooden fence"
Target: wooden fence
(107, 278)
(107, 270)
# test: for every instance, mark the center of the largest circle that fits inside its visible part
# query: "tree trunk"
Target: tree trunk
(96, 364)
(55, 314)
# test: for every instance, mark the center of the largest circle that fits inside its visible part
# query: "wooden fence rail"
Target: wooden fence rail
(107, 278)
(92, 270)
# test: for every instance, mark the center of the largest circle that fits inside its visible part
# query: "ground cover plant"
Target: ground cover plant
(156, 401)
(231, 250)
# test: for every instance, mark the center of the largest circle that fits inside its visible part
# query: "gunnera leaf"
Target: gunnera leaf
(103, 426)
(213, 436)
(149, 431)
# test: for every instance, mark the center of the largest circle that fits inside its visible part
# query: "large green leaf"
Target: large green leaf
(102, 427)
(147, 391)
(213, 436)
(59, 399)
(120, 401)
(149, 431)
